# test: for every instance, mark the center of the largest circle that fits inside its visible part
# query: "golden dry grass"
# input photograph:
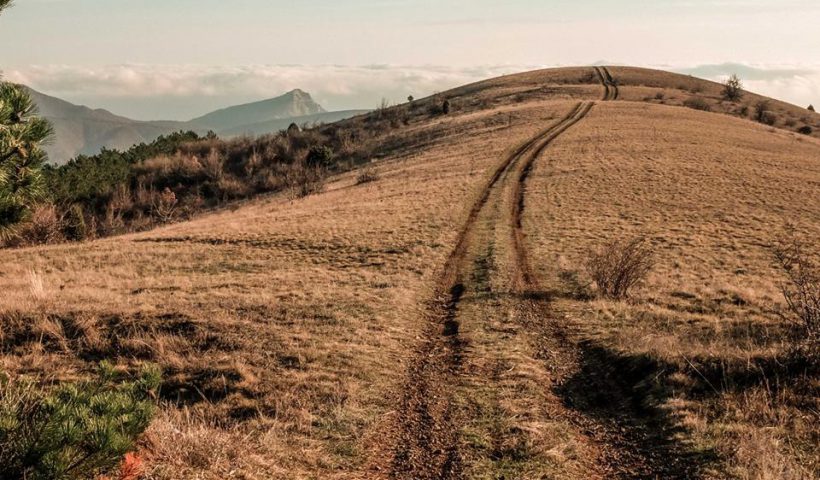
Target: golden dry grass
(712, 194)
(282, 326)
(286, 328)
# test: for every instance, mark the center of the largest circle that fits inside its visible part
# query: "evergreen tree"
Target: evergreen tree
(21, 157)
(76, 430)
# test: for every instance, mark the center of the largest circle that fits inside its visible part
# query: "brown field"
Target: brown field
(437, 322)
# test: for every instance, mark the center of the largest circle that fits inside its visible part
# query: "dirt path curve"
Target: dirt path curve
(427, 446)
(610, 85)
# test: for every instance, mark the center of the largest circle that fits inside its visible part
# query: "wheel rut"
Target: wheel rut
(633, 441)
(611, 91)
(426, 443)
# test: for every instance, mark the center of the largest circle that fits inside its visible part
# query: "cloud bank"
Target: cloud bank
(180, 92)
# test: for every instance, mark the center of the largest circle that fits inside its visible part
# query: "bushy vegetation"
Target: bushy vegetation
(763, 113)
(801, 290)
(366, 176)
(620, 265)
(75, 431)
(697, 103)
(733, 89)
(178, 175)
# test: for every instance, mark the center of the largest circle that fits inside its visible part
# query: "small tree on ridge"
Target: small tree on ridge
(733, 89)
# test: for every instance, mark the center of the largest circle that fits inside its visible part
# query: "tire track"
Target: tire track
(426, 446)
(525, 281)
(612, 83)
(610, 86)
(633, 442)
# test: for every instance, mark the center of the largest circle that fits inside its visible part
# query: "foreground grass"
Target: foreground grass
(701, 352)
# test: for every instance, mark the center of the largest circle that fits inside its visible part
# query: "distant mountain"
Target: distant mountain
(283, 123)
(82, 130)
(295, 103)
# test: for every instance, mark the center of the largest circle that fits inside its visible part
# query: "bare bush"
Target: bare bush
(733, 89)
(801, 290)
(165, 205)
(620, 265)
(44, 226)
(367, 175)
(769, 118)
(304, 180)
(697, 103)
(213, 165)
(763, 114)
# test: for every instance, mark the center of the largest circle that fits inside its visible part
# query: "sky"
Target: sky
(176, 59)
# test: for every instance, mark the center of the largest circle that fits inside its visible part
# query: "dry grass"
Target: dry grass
(285, 326)
(280, 325)
(715, 193)
(666, 88)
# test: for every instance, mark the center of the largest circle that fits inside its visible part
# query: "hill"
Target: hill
(295, 103)
(80, 130)
(435, 318)
(268, 126)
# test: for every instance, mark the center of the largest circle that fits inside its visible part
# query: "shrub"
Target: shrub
(164, 205)
(319, 156)
(74, 227)
(303, 180)
(801, 290)
(78, 430)
(805, 130)
(366, 176)
(213, 165)
(760, 110)
(733, 89)
(811, 108)
(697, 103)
(768, 118)
(620, 265)
(445, 107)
(43, 226)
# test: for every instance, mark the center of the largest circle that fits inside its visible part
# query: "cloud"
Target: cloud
(798, 84)
(181, 92)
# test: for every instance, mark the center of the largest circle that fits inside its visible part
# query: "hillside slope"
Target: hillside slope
(79, 130)
(438, 322)
(283, 123)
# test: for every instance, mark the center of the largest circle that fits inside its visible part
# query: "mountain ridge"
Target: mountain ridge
(82, 130)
